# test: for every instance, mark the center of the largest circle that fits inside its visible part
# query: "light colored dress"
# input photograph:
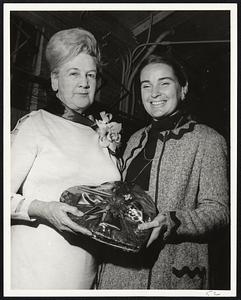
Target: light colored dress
(49, 155)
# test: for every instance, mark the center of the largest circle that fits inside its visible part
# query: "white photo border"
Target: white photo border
(232, 7)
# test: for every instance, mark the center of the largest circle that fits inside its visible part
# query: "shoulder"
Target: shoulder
(25, 127)
(34, 116)
(39, 119)
(208, 133)
(209, 139)
(138, 134)
(38, 116)
(25, 121)
(134, 141)
(29, 123)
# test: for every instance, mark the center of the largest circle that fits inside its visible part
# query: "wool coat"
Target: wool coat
(188, 182)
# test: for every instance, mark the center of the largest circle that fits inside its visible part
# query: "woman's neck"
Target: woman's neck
(167, 116)
(168, 122)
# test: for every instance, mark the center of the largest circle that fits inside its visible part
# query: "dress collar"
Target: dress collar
(58, 108)
(178, 125)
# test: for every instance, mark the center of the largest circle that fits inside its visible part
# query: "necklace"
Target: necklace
(145, 157)
(144, 150)
(150, 160)
(133, 180)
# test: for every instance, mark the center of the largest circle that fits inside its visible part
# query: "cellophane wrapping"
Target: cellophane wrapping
(112, 212)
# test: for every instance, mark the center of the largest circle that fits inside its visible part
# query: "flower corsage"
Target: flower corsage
(109, 132)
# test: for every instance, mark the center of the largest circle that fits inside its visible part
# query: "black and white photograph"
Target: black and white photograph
(120, 149)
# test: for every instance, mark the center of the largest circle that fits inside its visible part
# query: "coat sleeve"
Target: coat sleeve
(212, 212)
(23, 154)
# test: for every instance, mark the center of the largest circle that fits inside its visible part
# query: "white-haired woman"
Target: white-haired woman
(53, 149)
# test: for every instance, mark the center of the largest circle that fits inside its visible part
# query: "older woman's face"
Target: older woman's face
(75, 82)
(160, 90)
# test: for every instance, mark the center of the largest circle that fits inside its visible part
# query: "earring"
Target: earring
(183, 94)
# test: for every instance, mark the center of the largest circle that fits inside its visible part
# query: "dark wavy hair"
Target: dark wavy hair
(178, 69)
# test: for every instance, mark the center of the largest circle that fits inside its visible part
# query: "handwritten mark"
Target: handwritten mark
(212, 293)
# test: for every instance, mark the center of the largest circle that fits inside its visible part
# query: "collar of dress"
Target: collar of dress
(58, 108)
(175, 133)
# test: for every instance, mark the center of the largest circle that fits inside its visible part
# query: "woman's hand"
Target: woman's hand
(56, 214)
(159, 226)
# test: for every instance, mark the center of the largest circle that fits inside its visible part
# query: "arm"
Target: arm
(212, 212)
(24, 151)
(23, 154)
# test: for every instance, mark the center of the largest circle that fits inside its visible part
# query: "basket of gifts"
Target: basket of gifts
(112, 211)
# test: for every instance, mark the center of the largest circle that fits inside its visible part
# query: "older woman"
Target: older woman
(52, 150)
(183, 166)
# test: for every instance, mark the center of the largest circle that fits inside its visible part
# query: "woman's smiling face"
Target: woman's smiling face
(75, 82)
(160, 90)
